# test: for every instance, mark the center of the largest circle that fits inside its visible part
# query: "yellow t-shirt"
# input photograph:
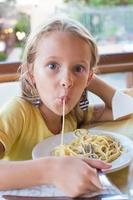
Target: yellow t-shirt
(22, 127)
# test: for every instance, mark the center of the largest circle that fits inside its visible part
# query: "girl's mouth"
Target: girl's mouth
(63, 98)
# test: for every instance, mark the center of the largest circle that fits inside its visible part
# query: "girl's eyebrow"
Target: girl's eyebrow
(53, 57)
(84, 62)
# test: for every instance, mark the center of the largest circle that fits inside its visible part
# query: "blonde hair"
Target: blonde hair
(29, 90)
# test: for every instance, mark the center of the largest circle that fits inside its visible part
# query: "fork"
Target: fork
(110, 189)
(107, 185)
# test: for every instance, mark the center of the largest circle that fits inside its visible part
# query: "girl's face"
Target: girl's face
(61, 70)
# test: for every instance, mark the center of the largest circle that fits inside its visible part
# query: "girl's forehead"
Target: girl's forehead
(59, 35)
(63, 39)
(63, 46)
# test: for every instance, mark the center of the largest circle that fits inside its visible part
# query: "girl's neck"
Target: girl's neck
(52, 120)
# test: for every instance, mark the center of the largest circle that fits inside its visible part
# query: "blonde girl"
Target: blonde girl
(58, 66)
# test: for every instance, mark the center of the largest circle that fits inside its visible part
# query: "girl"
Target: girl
(58, 66)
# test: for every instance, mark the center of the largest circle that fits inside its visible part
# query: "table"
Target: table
(119, 178)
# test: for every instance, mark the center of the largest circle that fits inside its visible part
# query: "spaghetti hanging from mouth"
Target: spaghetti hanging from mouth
(63, 123)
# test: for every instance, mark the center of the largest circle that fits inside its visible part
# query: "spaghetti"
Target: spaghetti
(62, 145)
(103, 147)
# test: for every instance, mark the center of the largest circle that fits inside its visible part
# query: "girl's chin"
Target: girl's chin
(59, 111)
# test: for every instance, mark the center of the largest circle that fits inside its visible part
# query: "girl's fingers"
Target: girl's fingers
(96, 181)
(91, 188)
(95, 163)
(93, 177)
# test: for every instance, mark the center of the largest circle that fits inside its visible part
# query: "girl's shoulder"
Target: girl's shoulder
(16, 104)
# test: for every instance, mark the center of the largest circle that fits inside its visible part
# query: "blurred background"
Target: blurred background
(110, 22)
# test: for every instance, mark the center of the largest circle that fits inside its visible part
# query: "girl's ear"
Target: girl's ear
(90, 76)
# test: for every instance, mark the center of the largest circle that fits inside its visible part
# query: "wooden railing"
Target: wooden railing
(9, 71)
(114, 63)
(111, 63)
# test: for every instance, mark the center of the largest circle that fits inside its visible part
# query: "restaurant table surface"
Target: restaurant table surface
(119, 178)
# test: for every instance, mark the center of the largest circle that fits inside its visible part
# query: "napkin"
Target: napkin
(122, 105)
(49, 191)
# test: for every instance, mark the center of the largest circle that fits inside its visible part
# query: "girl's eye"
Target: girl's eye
(52, 66)
(79, 69)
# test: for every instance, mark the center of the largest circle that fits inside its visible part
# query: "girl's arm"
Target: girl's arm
(102, 89)
(74, 176)
(22, 174)
(102, 112)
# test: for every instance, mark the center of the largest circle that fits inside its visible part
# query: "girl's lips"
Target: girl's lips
(63, 98)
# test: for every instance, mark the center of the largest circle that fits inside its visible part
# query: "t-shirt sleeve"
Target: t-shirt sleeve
(11, 123)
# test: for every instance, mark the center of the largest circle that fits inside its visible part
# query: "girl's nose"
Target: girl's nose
(67, 81)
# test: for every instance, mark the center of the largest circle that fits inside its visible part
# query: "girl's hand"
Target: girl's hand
(76, 176)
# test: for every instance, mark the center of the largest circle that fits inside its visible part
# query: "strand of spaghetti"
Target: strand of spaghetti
(63, 123)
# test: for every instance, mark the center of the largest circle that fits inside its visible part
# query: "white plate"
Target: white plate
(45, 148)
